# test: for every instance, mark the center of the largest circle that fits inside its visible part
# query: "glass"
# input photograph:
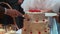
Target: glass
(11, 29)
(2, 30)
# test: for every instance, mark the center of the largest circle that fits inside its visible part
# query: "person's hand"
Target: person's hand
(12, 12)
(46, 11)
(56, 17)
(27, 17)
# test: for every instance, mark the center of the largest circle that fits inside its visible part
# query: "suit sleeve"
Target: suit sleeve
(2, 10)
(22, 11)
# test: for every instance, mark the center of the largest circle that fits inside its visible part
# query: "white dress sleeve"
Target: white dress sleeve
(55, 6)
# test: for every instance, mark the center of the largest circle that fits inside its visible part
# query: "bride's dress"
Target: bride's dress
(39, 4)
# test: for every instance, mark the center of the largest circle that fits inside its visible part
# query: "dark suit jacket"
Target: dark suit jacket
(7, 19)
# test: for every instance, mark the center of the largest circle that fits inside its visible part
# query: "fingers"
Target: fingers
(27, 17)
(46, 11)
(13, 12)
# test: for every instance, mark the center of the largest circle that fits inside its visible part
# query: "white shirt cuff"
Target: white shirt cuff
(5, 11)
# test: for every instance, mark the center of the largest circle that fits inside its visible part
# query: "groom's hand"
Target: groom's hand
(12, 12)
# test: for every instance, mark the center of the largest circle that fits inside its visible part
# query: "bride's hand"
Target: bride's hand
(46, 10)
